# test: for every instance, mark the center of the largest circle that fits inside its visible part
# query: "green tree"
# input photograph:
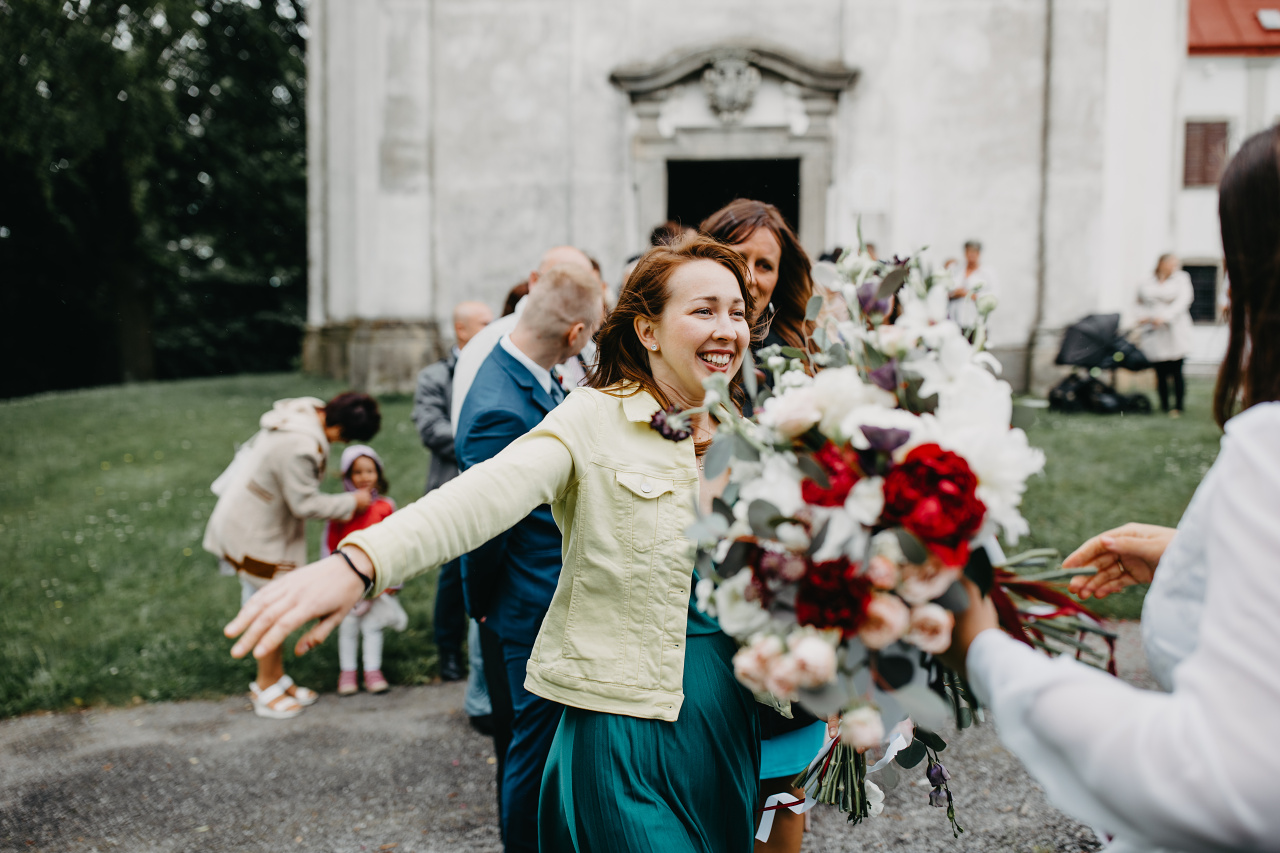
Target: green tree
(152, 215)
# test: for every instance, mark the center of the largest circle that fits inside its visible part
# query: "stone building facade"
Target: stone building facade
(452, 141)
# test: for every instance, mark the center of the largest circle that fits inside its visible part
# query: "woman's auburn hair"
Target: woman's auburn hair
(622, 363)
(735, 223)
(1249, 210)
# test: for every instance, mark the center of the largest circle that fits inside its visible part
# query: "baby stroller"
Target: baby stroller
(1095, 344)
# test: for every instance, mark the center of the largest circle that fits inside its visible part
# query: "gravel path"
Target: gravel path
(210, 776)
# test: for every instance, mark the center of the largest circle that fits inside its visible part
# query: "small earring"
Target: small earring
(653, 347)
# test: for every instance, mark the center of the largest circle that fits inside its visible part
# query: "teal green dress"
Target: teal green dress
(616, 784)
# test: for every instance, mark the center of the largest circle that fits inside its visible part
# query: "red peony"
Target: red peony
(833, 595)
(842, 473)
(933, 494)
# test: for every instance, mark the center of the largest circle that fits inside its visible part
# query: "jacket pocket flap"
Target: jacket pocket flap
(643, 485)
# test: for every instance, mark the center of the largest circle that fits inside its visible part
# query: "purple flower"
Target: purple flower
(669, 425)
(885, 440)
(939, 798)
(885, 376)
(937, 774)
(867, 299)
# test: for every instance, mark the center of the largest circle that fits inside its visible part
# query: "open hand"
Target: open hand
(326, 590)
(979, 616)
(1122, 557)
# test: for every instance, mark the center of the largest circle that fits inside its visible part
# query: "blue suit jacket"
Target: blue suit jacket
(510, 579)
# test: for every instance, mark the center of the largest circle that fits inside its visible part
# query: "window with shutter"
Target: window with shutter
(1206, 153)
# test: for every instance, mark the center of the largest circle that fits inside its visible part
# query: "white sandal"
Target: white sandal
(273, 703)
(305, 695)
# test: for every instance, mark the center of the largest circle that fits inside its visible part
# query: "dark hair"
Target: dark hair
(622, 366)
(735, 223)
(355, 413)
(666, 233)
(1249, 208)
(976, 245)
(516, 293)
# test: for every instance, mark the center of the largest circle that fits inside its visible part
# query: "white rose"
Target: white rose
(866, 500)
(815, 658)
(840, 390)
(778, 483)
(862, 728)
(931, 626)
(792, 413)
(738, 616)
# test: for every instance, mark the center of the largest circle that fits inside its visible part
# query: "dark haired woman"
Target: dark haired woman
(1193, 768)
(657, 750)
(781, 284)
(257, 529)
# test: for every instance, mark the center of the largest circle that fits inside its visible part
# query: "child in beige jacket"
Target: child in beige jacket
(257, 529)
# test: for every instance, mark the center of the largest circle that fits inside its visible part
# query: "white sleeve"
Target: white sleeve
(1192, 769)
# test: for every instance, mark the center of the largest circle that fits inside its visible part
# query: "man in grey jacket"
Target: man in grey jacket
(431, 405)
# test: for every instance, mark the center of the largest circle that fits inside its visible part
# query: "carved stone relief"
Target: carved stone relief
(731, 84)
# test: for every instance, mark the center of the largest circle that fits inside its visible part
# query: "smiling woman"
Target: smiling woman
(658, 746)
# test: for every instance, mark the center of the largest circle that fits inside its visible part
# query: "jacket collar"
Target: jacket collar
(522, 377)
(639, 407)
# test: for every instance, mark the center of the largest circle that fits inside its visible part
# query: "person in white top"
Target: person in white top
(1164, 316)
(1192, 768)
(478, 349)
(972, 280)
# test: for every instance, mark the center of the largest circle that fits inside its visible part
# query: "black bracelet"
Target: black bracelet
(368, 581)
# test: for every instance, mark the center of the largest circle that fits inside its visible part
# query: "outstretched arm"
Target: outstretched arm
(456, 518)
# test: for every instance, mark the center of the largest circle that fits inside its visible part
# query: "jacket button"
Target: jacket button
(646, 487)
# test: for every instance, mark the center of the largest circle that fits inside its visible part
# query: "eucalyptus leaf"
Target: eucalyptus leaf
(719, 507)
(734, 559)
(889, 776)
(821, 338)
(813, 470)
(837, 354)
(743, 449)
(896, 670)
(890, 283)
(965, 718)
(980, 571)
(793, 352)
(824, 701)
(922, 705)
(931, 739)
(911, 756)
(730, 494)
(912, 548)
(749, 382)
(815, 544)
(954, 599)
(814, 308)
(719, 455)
(763, 518)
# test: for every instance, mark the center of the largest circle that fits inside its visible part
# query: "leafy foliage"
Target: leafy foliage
(152, 221)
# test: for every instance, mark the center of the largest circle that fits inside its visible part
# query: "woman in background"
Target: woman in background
(781, 285)
(1164, 315)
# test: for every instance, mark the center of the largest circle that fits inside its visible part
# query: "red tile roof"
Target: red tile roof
(1231, 27)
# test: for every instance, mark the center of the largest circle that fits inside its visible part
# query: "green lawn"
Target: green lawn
(108, 597)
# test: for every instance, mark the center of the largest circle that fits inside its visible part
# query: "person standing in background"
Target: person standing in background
(431, 404)
(509, 580)
(469, 361)
(1164, 317)
(971, 280)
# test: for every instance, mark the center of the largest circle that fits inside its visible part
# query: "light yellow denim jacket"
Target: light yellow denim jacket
(613, 639)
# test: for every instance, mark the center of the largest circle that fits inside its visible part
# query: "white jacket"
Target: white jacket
(1168, 302)
(272, 486)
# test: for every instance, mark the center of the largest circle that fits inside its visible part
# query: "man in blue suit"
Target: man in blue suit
(508, 582)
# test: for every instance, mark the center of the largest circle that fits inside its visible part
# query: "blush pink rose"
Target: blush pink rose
(882, 572)
(751, 664)
(884, 620)
(920, 584)
(862, 728)
(816, 659)
(930, 629)
(784, 677)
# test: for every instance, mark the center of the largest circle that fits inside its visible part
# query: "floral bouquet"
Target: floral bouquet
(877, 470)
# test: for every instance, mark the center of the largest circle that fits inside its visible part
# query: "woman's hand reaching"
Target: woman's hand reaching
(1122, 557)
(326, 590)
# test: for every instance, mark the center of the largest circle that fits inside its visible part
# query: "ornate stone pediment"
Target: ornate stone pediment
(731, 74)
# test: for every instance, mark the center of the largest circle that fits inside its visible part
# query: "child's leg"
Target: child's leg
(372, 646)
(348, 642)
